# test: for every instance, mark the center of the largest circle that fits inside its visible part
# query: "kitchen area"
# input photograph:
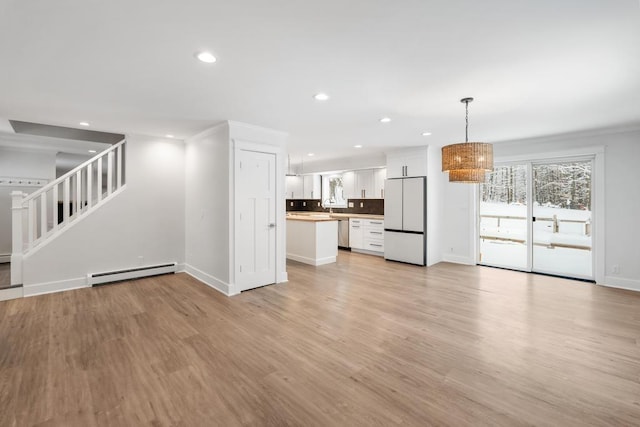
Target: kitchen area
(378, 211)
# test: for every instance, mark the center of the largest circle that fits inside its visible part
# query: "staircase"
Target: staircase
(41, 216)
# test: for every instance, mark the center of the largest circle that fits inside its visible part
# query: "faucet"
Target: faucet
(328, 202)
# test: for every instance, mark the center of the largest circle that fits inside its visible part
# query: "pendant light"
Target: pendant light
(289, 173)
(467, 162)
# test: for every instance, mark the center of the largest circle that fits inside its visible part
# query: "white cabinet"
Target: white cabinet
(311, 186)
(349, 185)
(379, 177)
(373, 235)
(395, 166)
(360, 184)
(294, 187)
(356, 234)
(406, 163)
(365, 184)
(367, 234)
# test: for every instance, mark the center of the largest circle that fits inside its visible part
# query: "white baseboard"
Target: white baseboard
(4, 258)
(457, 259)
(57, 286)
(620, 283)
(312, 261)
(11, 293)
(209, 280)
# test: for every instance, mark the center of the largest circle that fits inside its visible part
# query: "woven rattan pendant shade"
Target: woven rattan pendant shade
(467, 161)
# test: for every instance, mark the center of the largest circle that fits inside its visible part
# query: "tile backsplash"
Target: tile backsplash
(369, 206)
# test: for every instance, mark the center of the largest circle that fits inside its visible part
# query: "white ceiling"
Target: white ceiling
(535, 67)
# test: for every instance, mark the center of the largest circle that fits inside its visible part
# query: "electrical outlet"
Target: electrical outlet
(615, 269)
(304, 203)
(350, 204)
(362, 204)
(291, 203)
(318, 204)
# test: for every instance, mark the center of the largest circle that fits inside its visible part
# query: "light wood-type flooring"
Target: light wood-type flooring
(363, 342)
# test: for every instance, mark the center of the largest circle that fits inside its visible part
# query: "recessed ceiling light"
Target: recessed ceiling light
(84, 124)
(311, 154)
(321, 96)
(385, 120)
(206, 57)
(357, 146)
(169, 135)
(426, 133)
(92, 151)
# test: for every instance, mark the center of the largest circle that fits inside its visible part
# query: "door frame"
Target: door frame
(280, 256)
(597, 155)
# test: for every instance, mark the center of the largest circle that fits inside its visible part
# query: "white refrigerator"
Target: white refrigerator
(405, 220)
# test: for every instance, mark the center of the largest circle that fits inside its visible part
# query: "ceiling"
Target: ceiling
(534, 67)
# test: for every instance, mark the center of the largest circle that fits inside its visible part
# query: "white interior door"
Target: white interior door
(256, 204)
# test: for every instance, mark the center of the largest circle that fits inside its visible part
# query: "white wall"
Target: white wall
(207, 203)
(435, 208)
(145, 220)
(210, 233)
(621, 199)
(20, 164)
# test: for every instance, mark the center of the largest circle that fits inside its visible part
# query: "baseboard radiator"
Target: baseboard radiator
(96, 279)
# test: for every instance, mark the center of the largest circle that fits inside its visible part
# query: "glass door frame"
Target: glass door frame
(527, 269)
(585, 159)
(596, 156)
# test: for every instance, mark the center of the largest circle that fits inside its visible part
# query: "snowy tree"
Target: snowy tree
(566, 185)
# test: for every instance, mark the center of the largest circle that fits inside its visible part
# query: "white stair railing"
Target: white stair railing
(47, 212)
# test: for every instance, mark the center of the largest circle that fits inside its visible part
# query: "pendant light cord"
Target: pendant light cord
(466, 129)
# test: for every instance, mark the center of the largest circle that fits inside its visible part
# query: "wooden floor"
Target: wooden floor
(361, 342)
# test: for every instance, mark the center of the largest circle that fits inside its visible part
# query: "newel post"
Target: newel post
(17, 242)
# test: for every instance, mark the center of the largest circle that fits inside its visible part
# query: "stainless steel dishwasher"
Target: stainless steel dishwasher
(343, 233)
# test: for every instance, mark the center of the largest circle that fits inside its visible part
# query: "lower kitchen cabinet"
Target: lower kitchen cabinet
(367, 235)
(355, 233)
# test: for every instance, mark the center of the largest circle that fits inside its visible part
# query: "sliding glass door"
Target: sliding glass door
(562, 217)
(537, 216)
(503, 218)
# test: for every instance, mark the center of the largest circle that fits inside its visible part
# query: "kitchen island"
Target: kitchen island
(312, 239)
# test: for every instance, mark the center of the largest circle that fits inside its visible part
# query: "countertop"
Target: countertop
(309, 218)
(334, 216)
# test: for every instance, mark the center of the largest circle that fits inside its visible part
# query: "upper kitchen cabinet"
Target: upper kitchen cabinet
(294, 186)
(405, 163)
(349, 185)
(365, 184)
(379, 176)
(311, 186)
